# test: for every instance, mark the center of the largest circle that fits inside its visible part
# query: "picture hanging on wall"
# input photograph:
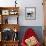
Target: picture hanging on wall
(30, 13)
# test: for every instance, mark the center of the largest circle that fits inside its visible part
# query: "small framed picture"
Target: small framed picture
(30, 13)
(5, 12)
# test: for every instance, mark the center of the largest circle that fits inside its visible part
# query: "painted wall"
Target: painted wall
(26, 3)
(39, 12)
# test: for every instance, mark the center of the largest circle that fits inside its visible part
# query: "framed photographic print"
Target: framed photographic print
(5, 12)
(30, 13)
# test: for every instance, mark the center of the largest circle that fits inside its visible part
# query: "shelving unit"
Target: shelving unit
(5, 23)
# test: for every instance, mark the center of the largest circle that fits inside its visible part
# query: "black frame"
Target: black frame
(26, 13)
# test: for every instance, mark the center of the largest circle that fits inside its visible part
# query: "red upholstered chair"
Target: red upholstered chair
(29, 33)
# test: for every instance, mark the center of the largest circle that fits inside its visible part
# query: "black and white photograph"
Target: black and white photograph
(30, 13)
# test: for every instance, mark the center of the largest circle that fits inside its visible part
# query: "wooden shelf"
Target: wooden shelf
(11, 26)
(4, 13)
(5, 8)
(9, 43)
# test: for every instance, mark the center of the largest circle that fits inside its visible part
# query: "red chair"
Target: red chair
(29, 33)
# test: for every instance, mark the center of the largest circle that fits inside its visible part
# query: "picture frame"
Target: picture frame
(13, 12)
(30, 13)
(5, 12)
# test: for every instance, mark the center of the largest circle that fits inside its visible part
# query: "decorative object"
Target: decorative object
(6, 21)
(15, 37)
(30, 38)
(7, 34)
(5, 12)
(15, 3)
(31, 41)
(15, 30)
(30, 13)
(13, 12)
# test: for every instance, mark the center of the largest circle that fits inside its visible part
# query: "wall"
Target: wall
(27, 3)
(39, 13)
(6, 3)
